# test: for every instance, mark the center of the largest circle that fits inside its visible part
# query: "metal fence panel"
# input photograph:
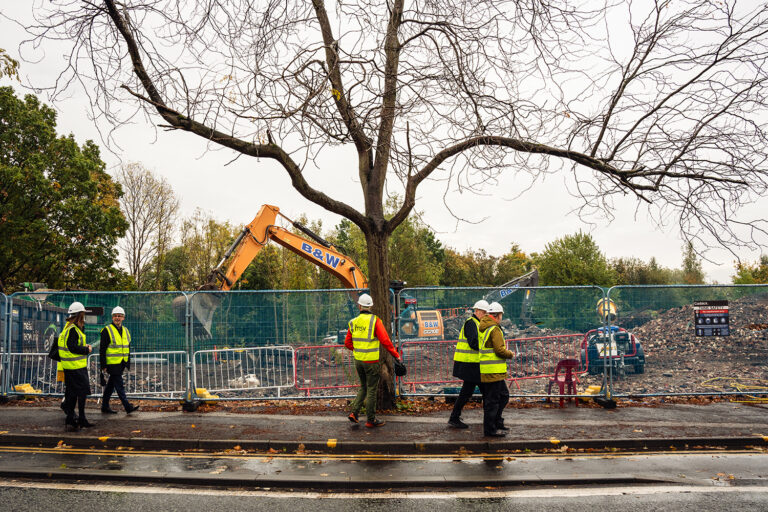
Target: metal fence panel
(242, 319)
(693, 340)
(246, 372)
(36, 320)
(33, 370)
(542, 325)
(528, 312)
(38, 317)
(4, 362)
(323, 370)
(152, 374)
(430, 364)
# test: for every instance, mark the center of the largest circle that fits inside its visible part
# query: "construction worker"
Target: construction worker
(493, 371)
(73, 354)
(365, 335)
(466, 362)
(114, 358)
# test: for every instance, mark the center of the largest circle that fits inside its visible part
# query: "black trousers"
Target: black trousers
(495, 399)
(467, 388)
(115, 383)
(76, 390)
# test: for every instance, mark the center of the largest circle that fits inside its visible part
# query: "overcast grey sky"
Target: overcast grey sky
(234, 192)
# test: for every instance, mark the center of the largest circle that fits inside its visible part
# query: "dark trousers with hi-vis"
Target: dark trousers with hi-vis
(495, 399)
(369, 374)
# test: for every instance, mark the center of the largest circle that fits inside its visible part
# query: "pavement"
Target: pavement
(295, 427)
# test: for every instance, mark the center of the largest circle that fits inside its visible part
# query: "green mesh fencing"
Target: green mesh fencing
(526, 310)
(656, 345)
(37, 319)
(262, 318)
(543, 326)
(693, 340)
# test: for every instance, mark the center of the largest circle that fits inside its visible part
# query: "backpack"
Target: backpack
(53, 353)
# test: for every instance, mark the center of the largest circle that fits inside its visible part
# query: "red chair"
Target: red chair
(568, 380)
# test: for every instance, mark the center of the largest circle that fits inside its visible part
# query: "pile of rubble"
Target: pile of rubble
(452, 327)
(678, 361)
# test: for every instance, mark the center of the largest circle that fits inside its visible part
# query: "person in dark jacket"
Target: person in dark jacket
(466, 362)
(73, 358)
(114, 358)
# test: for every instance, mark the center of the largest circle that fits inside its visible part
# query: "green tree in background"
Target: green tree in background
(264, 272)
(574, 260)
(478, 268)
(634, 271)
(471, 268)
(692, 272)
(756, 273)
(416, 255)
(204, 240)
(513, 264)
(186, 266)
(59, 214)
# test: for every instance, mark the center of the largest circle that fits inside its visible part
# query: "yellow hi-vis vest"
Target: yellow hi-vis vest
(489, 361)
(366, 344)
(119, 346)
(70, 360)
(464, 352)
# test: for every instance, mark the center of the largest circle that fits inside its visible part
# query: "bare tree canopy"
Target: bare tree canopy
(150, 207)
(662, 101)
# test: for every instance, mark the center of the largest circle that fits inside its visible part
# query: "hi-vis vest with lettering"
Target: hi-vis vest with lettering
(70, 360)
(489, 361)
(464, 352)
(119, 346)
(366, 344)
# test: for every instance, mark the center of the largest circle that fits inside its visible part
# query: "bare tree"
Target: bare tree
(662, 101)
(150, 206)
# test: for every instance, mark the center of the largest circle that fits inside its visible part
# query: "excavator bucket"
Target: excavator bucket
(202, 307)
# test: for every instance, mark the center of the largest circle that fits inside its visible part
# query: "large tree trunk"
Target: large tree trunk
(378, 275)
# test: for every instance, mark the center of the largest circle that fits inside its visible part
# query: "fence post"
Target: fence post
(610, 402)
(5, 343)
(396, 332)
(189, 404)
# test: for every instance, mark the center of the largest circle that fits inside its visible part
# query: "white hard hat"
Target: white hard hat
(365, 300)
(118, 311)
(495, 307)
(75, 308)
(481, 304)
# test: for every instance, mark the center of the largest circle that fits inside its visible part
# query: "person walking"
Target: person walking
(493, 371)
(114, 358)
(365, 336)
(73, 357)
(466, 362)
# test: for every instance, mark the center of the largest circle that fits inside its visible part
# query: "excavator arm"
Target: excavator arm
(247, 246)
(260, 231)
(528, 282)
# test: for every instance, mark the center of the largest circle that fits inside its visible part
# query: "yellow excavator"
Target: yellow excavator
(319, 251)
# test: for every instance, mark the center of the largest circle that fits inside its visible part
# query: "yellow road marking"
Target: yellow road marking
(364, 457)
